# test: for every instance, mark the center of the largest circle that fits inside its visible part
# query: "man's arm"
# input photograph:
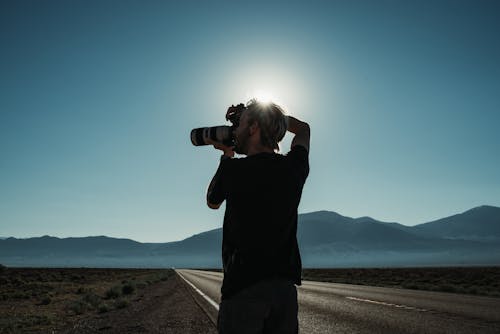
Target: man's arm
(216, 180)
(210, 190)
(301, 130)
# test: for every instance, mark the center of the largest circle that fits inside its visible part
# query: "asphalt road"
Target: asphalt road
(345, 308)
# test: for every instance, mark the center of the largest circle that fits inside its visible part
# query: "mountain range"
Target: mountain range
(326, 239)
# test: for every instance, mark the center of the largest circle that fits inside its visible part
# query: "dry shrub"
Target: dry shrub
(113, 292)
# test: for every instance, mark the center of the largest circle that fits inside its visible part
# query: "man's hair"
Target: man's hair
(271, 120)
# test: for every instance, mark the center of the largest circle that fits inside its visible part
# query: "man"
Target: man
(259, 248)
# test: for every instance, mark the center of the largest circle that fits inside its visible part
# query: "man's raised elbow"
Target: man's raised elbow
(305, 127)
(304, 130)
(213, 206)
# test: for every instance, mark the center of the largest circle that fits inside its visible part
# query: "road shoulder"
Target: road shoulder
(165, 307)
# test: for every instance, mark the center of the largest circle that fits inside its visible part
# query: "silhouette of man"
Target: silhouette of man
(259, 248)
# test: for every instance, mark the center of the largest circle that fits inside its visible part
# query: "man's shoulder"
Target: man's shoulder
(299, 148)
(298, 152)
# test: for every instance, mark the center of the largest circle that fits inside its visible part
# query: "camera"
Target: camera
(223, 133)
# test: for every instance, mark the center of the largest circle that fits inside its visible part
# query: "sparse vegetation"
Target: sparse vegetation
(128, 288)
(466, 280)
(78, 307)
(81, 290)
(121, 303)
(46, 300)
(92, 300)
(103, 308)
(113, 292)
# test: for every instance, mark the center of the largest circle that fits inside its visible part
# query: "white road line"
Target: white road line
(208, 299)
(388, 304)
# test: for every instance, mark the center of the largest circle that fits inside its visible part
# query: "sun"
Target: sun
(264, 96)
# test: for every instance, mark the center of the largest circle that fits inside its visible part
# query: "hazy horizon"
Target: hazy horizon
(98, 100)
(199, 232)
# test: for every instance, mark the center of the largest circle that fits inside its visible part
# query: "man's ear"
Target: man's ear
(253, 128)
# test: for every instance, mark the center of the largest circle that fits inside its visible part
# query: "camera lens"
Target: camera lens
(221, 134)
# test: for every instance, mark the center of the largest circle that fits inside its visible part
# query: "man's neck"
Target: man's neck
(259, 149)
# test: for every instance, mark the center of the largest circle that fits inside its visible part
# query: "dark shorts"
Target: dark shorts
(269, 306)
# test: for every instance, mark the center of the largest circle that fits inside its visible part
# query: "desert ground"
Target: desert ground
(82, 300)
(86, 300)
(481, 281)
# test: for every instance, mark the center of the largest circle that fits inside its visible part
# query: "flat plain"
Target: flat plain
(86, 300)
(481, 281)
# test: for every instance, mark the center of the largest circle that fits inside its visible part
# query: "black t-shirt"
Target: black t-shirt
(262, 193)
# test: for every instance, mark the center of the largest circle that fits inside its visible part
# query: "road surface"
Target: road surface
(345, 308)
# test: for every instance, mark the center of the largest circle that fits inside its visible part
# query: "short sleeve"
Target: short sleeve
(299, 158)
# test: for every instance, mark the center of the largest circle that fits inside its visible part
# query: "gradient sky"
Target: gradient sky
(97, 100)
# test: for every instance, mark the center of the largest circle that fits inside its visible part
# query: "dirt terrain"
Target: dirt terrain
(483, 281)
(83, 300)
(98, 301)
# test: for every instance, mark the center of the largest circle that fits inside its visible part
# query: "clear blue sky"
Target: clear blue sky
(98, 99)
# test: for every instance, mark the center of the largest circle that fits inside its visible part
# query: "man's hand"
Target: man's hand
(228, 150)
(301, 130)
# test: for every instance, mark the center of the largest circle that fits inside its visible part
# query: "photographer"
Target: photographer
(259, 249)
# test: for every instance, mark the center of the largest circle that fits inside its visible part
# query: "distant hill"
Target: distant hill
(326, 239)
(481, 223)
(323, 227)
(87, 251)
(69, 246)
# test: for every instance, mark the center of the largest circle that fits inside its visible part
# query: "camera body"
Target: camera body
(223, 133)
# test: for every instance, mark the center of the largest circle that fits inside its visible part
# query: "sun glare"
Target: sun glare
(264, 96)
